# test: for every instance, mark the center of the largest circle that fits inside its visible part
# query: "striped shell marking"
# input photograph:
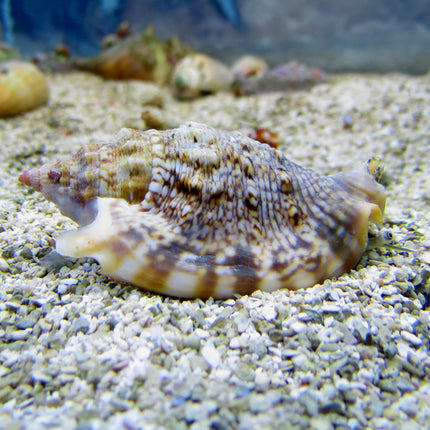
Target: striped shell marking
(198, 212)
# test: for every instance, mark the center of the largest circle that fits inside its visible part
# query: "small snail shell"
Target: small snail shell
(199, 74)
(22, 87)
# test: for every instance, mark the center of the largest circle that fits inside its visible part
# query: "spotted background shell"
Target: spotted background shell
(198, 212)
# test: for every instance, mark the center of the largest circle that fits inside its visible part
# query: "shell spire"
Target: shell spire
(198, 212)
(117, 169)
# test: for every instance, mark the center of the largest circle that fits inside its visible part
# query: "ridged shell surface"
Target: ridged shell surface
(199, 212)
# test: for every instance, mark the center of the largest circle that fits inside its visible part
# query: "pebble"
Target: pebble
(302, 362)
(62, 288)
(298, 327)
(17, 335)
(425, 256)
(199, 411)
(408, 405)
(411, 338)
(262, 402)
(262, 380)
(211, 355)
(40, 376)
(388, 385)
(26, 322)
(193, 341)
(81, 325)
(405, 385)
(245, 371)
(4, 266)
(321, 423)
(330, 335)
(331, 308)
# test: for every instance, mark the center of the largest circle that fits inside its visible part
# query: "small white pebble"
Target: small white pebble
(267, 312)
(425, 256)
(298, 327)
(342, 384)
(3, 265)
(411, 338)
(262, 380)
(69, 281)
(235, 343)
(62, 288)
(211, 355)
(143, 353)
(404, 350)
(329, 321)
(331, 307)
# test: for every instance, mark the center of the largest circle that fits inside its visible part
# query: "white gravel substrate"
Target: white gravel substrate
(80, 351)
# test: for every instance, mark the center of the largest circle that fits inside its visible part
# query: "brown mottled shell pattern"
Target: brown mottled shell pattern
(198, 212)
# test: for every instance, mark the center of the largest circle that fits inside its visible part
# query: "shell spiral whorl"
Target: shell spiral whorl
(197, 212)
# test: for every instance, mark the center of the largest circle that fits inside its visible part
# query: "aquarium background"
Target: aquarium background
(337, 35)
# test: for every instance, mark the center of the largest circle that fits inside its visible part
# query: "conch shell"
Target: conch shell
(199, 212)
(142, 56)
